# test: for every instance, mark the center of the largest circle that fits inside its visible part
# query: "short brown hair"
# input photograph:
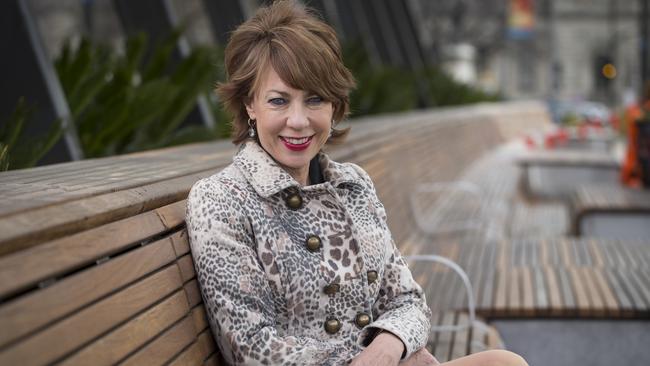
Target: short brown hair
(300, 47)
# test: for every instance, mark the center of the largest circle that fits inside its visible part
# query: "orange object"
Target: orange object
(631, 171)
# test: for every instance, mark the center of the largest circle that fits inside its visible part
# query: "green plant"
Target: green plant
(124, 103)
(18, 150)
(445, 91)
(382, 88)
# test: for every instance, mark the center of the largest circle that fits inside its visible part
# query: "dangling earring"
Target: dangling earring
(251, 129)
(331, 130)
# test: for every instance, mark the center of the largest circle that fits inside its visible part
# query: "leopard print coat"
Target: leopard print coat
(299, 275)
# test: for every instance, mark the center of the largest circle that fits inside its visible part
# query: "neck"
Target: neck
(301, 175)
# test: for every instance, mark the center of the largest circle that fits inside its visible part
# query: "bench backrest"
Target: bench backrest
(94, 259)
(121, 292)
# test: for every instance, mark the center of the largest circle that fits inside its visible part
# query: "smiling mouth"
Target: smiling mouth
(296, 143)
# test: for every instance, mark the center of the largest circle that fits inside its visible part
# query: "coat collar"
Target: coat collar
(268, 178)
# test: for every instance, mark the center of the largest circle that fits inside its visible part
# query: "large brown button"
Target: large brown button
(294, 201)
(332, 288)
(313, 243)
(372, 276)
(362, 320)
(332, 325)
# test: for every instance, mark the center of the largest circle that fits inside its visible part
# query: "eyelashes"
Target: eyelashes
(313, 101)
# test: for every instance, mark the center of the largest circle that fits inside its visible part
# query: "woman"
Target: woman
(294, 258)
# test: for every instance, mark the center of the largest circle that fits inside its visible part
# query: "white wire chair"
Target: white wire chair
(471, 304)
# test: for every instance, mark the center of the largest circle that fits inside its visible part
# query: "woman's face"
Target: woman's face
(292, 124)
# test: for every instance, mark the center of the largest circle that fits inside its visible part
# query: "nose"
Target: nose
(297, 118)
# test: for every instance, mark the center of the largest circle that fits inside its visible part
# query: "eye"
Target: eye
(278, 101)
(314, 100)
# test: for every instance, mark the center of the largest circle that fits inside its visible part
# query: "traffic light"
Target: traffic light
(605, 71)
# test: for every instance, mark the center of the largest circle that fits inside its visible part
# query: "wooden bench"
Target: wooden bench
(554, 174)
(611, 211)
(94, 259)
(548, 277)
(541, 272)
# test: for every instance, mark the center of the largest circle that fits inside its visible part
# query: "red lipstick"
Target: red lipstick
(296, 147)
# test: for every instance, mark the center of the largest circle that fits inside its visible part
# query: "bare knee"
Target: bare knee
(501, 358)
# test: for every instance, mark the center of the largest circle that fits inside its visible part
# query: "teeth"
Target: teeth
(294, 141)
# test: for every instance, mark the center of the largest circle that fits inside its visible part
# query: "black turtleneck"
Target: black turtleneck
(315, 174)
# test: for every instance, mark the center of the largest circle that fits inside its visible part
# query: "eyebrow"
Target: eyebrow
(282, 93)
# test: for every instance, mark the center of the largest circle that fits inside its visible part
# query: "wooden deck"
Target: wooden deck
(447, 346)
(598, 209)
(560, 277)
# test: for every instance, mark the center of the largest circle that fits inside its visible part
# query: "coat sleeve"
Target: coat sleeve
(237, 297)
(401, 308)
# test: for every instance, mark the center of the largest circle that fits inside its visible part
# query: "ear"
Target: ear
(249, 108)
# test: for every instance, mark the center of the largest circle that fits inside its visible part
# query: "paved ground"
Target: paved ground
(578, 342)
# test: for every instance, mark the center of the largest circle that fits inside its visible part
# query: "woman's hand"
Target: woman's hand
(385, 350)
(421, 358)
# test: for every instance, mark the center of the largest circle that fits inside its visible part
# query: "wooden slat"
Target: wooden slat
(444, 340)
(501, 292)
(186, 266)
(133, 335)
(165, 347)
(596, 254)
(181, 243)
(611, 305)
(476, 274)
(595, 298)
(445, 282)
(631, 260)
(505, 250)
(488, 291)
(65, 336)
(193, 293)
(459, 296)
(565, 254)
(580, 291)
(191, 356)
(514, 293)
(436, 273)
(206, 344)
(172, 215)
(528, 302)
(625, 282)
(554, 291)
(568, 297)
(33, 310)
(626, 306)
(200, 318)
(109, 174)
(540, 290)
(461, 337)
(435, 320)
(554, 252)
(213, 360)
(27, 229)
(640, 286)
(26, 268)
